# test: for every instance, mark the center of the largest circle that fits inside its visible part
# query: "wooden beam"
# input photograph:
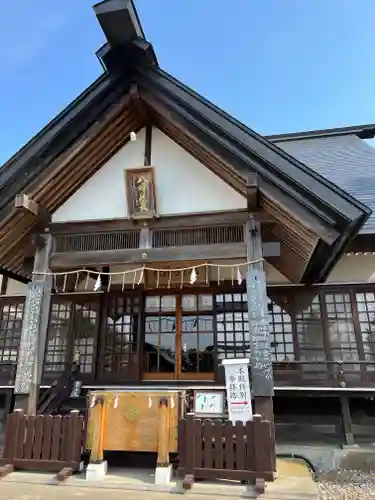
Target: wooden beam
(252, 193)
(24, 203)
(4, 284)
(145, 238)
(148, 145)
(171, 221)
(138, 103)
(70, 260)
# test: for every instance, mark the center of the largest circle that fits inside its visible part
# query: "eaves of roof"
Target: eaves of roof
(362, 131)
(251, 152)
(31, 160)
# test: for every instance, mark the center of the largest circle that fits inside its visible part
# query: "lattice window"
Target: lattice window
(10, 331)
(197, 335)
(340, 326)
(281, 335)
(309, 326)
(366, 313)
(160, 334)
(57, 348)
(120, 344)
(72, 329)
(85, 324)
(233, 338)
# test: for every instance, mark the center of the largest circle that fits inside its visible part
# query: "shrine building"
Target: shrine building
(146, 235)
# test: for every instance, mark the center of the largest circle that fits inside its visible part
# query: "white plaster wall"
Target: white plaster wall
(354, 269)
(183, 185)
(103, 195)
(15, 287)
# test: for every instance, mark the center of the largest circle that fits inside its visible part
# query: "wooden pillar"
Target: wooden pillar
(262, 386)
(163, 434)
(347, 420)
(34, 329)
(97, 422)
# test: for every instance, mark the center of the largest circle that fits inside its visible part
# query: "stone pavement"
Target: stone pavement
(294, 482)
(25, 491)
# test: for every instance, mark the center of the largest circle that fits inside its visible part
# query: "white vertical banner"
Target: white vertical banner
(238, 389)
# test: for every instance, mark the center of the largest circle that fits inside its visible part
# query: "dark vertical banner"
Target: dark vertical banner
(29, 337)
(260, 354)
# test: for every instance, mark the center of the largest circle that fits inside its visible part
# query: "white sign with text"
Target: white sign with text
(209, 403)
(238, 389)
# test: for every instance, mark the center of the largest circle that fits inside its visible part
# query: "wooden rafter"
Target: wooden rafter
(67, 173)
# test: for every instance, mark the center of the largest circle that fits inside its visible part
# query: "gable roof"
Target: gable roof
(316, 219)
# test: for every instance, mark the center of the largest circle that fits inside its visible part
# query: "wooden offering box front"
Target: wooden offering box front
(131, 419)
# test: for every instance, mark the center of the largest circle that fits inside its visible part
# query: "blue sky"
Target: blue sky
(277, 65)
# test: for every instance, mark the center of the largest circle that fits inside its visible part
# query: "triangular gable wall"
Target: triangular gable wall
(183, 184)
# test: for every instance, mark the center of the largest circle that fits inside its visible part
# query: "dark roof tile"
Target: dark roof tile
(346, 161)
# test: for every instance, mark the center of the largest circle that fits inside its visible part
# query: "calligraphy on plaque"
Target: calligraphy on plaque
(140, 193)
(209, 403)
(260, 359)
(29, 337)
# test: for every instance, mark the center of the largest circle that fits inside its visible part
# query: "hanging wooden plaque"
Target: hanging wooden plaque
(140, 193)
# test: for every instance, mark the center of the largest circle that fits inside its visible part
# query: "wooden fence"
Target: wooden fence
(213, 449)
(44, 442)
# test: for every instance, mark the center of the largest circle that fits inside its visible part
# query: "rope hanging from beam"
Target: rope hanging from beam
(138, 275)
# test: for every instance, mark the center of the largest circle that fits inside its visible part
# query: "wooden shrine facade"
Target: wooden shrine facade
(321, 336)
(142, 171)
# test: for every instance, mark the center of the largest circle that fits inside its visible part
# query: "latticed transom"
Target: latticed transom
(97, 241)
(209, 235)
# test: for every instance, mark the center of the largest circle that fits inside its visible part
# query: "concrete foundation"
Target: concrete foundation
(331, 458)
(96, 472)
(163, 475)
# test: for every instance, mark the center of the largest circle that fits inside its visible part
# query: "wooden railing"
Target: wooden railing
(44, 442)
(213, 449)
